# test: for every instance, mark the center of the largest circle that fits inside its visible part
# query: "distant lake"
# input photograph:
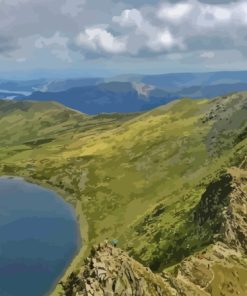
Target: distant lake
(39, 236)
(25, 93)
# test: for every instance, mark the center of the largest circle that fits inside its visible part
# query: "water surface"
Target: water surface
(39, 236)
(25, 93)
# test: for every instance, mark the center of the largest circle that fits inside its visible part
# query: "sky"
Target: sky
(110, 37)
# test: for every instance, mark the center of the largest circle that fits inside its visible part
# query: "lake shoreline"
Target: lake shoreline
(82, 227)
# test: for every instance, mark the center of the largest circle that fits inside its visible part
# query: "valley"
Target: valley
(157, 181)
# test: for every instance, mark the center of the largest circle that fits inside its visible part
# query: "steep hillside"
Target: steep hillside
(218, 269)
(27, 125)
(23, 121)
(139, 178)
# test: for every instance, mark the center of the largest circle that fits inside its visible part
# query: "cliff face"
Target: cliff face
(219, 269)
(110, 271)
(234, 226)
(223, 206)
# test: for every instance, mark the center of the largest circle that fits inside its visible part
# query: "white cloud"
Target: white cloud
(203, 14)
(164, 40)
(207, 55)
(145, 36)
(168, 40)
(220, 13)
(213, 16)
(174, 12)
(150, 30)
(129, 17)
(240, 12)
(98, 38)
(196, 27)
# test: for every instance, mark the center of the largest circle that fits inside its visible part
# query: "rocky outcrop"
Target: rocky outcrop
(234, 226)
(219, 269)
(213, 202)
(110, 271)
(223, 209)
(216, 271)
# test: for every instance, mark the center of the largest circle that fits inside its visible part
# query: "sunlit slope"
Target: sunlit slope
(134, 177)
(26, 127)
(25, 120)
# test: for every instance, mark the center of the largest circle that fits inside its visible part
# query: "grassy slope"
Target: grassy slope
(135, 177)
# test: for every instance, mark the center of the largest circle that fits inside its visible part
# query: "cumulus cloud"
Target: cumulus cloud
(70, 29)
(99, 39)
(174, 12)
(154, 38)
(220, 14)
(129, 17)
(204, 14)
(165, 41)
(171, 26)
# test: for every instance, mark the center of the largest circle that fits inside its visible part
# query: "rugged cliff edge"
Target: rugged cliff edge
(219, 269)
(110, 271)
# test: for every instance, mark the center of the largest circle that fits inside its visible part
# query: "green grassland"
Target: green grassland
(134, 177)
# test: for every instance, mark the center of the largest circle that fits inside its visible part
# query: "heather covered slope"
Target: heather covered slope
(219, 268)
(136, 177)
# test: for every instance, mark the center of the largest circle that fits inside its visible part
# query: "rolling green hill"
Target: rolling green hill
(140, 178)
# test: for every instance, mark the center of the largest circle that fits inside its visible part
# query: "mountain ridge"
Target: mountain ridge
(125, 93)
(109, 270)
(138, 177)
(123, 97)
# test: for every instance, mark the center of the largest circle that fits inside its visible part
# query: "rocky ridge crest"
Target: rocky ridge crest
(109, 271)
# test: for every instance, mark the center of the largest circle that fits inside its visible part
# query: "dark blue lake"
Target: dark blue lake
(39, 236)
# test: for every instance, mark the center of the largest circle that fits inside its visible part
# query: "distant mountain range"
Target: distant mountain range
(175, 81)
(126, 93)
(107, 97)
(22, 85)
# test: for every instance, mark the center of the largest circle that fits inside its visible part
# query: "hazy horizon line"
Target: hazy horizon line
(75, 74)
